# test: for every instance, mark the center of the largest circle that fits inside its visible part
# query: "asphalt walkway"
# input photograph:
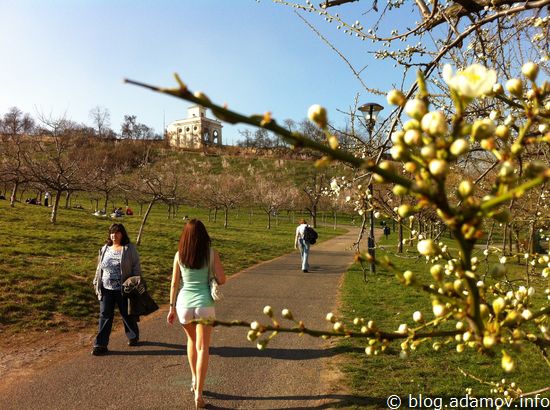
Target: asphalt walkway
(293, 372)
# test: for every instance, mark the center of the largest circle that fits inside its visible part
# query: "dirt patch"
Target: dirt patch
(24, 353)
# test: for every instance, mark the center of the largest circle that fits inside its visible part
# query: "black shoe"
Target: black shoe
(305, 270)
(100, 351)
(133, 342)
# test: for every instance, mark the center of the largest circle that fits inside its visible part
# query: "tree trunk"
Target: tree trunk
(400, 236)
(225, 217)
(55, 207)
(504, 238)
(13, 193)
(106, 202)
(138, 240)
(67, 199)
(268, 220)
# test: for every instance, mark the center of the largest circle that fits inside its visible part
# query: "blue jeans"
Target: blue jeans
(110, 299)
(304, 252)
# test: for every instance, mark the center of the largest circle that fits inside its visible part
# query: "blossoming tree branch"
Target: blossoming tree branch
(485, 317)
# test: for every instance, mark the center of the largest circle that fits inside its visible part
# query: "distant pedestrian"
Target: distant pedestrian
(302, 244)
(47, 197)
(387, 231)
(129, 211)
(118, 260)
(193, 262)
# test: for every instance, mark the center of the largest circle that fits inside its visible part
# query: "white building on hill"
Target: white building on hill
(196, 131)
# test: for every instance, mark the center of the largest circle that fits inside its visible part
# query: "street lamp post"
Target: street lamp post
(370, 111)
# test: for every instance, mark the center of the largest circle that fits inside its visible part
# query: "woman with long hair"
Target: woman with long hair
(192, 264)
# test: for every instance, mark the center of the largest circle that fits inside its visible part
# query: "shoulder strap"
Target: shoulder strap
(210, 264)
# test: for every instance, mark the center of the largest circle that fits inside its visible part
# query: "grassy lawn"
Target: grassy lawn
(374, 378)
(47, 270)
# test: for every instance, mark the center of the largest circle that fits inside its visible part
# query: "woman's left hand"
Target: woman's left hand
(171, 316)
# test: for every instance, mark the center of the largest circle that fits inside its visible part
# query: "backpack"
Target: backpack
(310, 236)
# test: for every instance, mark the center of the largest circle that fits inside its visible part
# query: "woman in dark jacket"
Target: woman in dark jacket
(118, 260)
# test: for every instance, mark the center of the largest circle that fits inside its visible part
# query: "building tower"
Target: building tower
(196, 131)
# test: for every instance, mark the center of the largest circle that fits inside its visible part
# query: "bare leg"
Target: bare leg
(203, 354)
(191, 331)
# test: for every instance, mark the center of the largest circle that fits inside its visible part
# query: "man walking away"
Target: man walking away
(299, 241)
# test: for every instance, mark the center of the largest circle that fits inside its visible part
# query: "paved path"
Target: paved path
(294, 372)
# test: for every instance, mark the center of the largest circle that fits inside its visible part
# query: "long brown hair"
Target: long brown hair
(194, 245)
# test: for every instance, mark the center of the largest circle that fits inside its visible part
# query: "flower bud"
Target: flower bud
(252, 335)
(427, 247)
(261, 345)
(531, 95)
(330, 317)
(409, 277)
(502, 131)
(412, 124)
(268, 311)
(506, 170)
(410, 167)
(498, 89)
(287, 314)
(434, 123)
(399, 152)
(498, 305)
(530, 70)
(403, 328)
(338, 327)
(437, 272)
(515, 87)
(438, 309)
(438, 167)
(397, 137)
(428, 152)
(413, 137)
(404, 210)
(489, 341)
(396, 97)
(482, 129)
(369, 350)
(333, 142)
(201, 96)
(415, 108)
(418, 317)
(399, 190)
(526, 314)
(465, 189)
(459, 147)
(507, 362)
(318, 115)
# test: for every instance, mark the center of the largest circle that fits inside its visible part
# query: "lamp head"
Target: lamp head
(370, 111)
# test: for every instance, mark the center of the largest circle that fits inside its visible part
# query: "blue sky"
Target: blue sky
(65, 57)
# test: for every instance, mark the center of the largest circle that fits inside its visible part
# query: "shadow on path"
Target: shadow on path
(230, 351)
(330, 401)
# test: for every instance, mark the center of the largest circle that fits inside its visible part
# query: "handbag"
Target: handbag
(215, 291)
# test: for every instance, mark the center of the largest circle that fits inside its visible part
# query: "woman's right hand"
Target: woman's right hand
(171, 315)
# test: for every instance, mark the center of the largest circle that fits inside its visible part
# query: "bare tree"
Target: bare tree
(14, 129)
(55, 161)
(101, 119)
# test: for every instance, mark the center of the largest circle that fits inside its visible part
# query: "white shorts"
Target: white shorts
(186, 315)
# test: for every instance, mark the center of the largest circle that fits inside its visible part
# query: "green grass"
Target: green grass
(372, 379)
(46, 270)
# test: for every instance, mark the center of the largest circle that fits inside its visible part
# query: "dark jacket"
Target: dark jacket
(129, 266)
(140, 302)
